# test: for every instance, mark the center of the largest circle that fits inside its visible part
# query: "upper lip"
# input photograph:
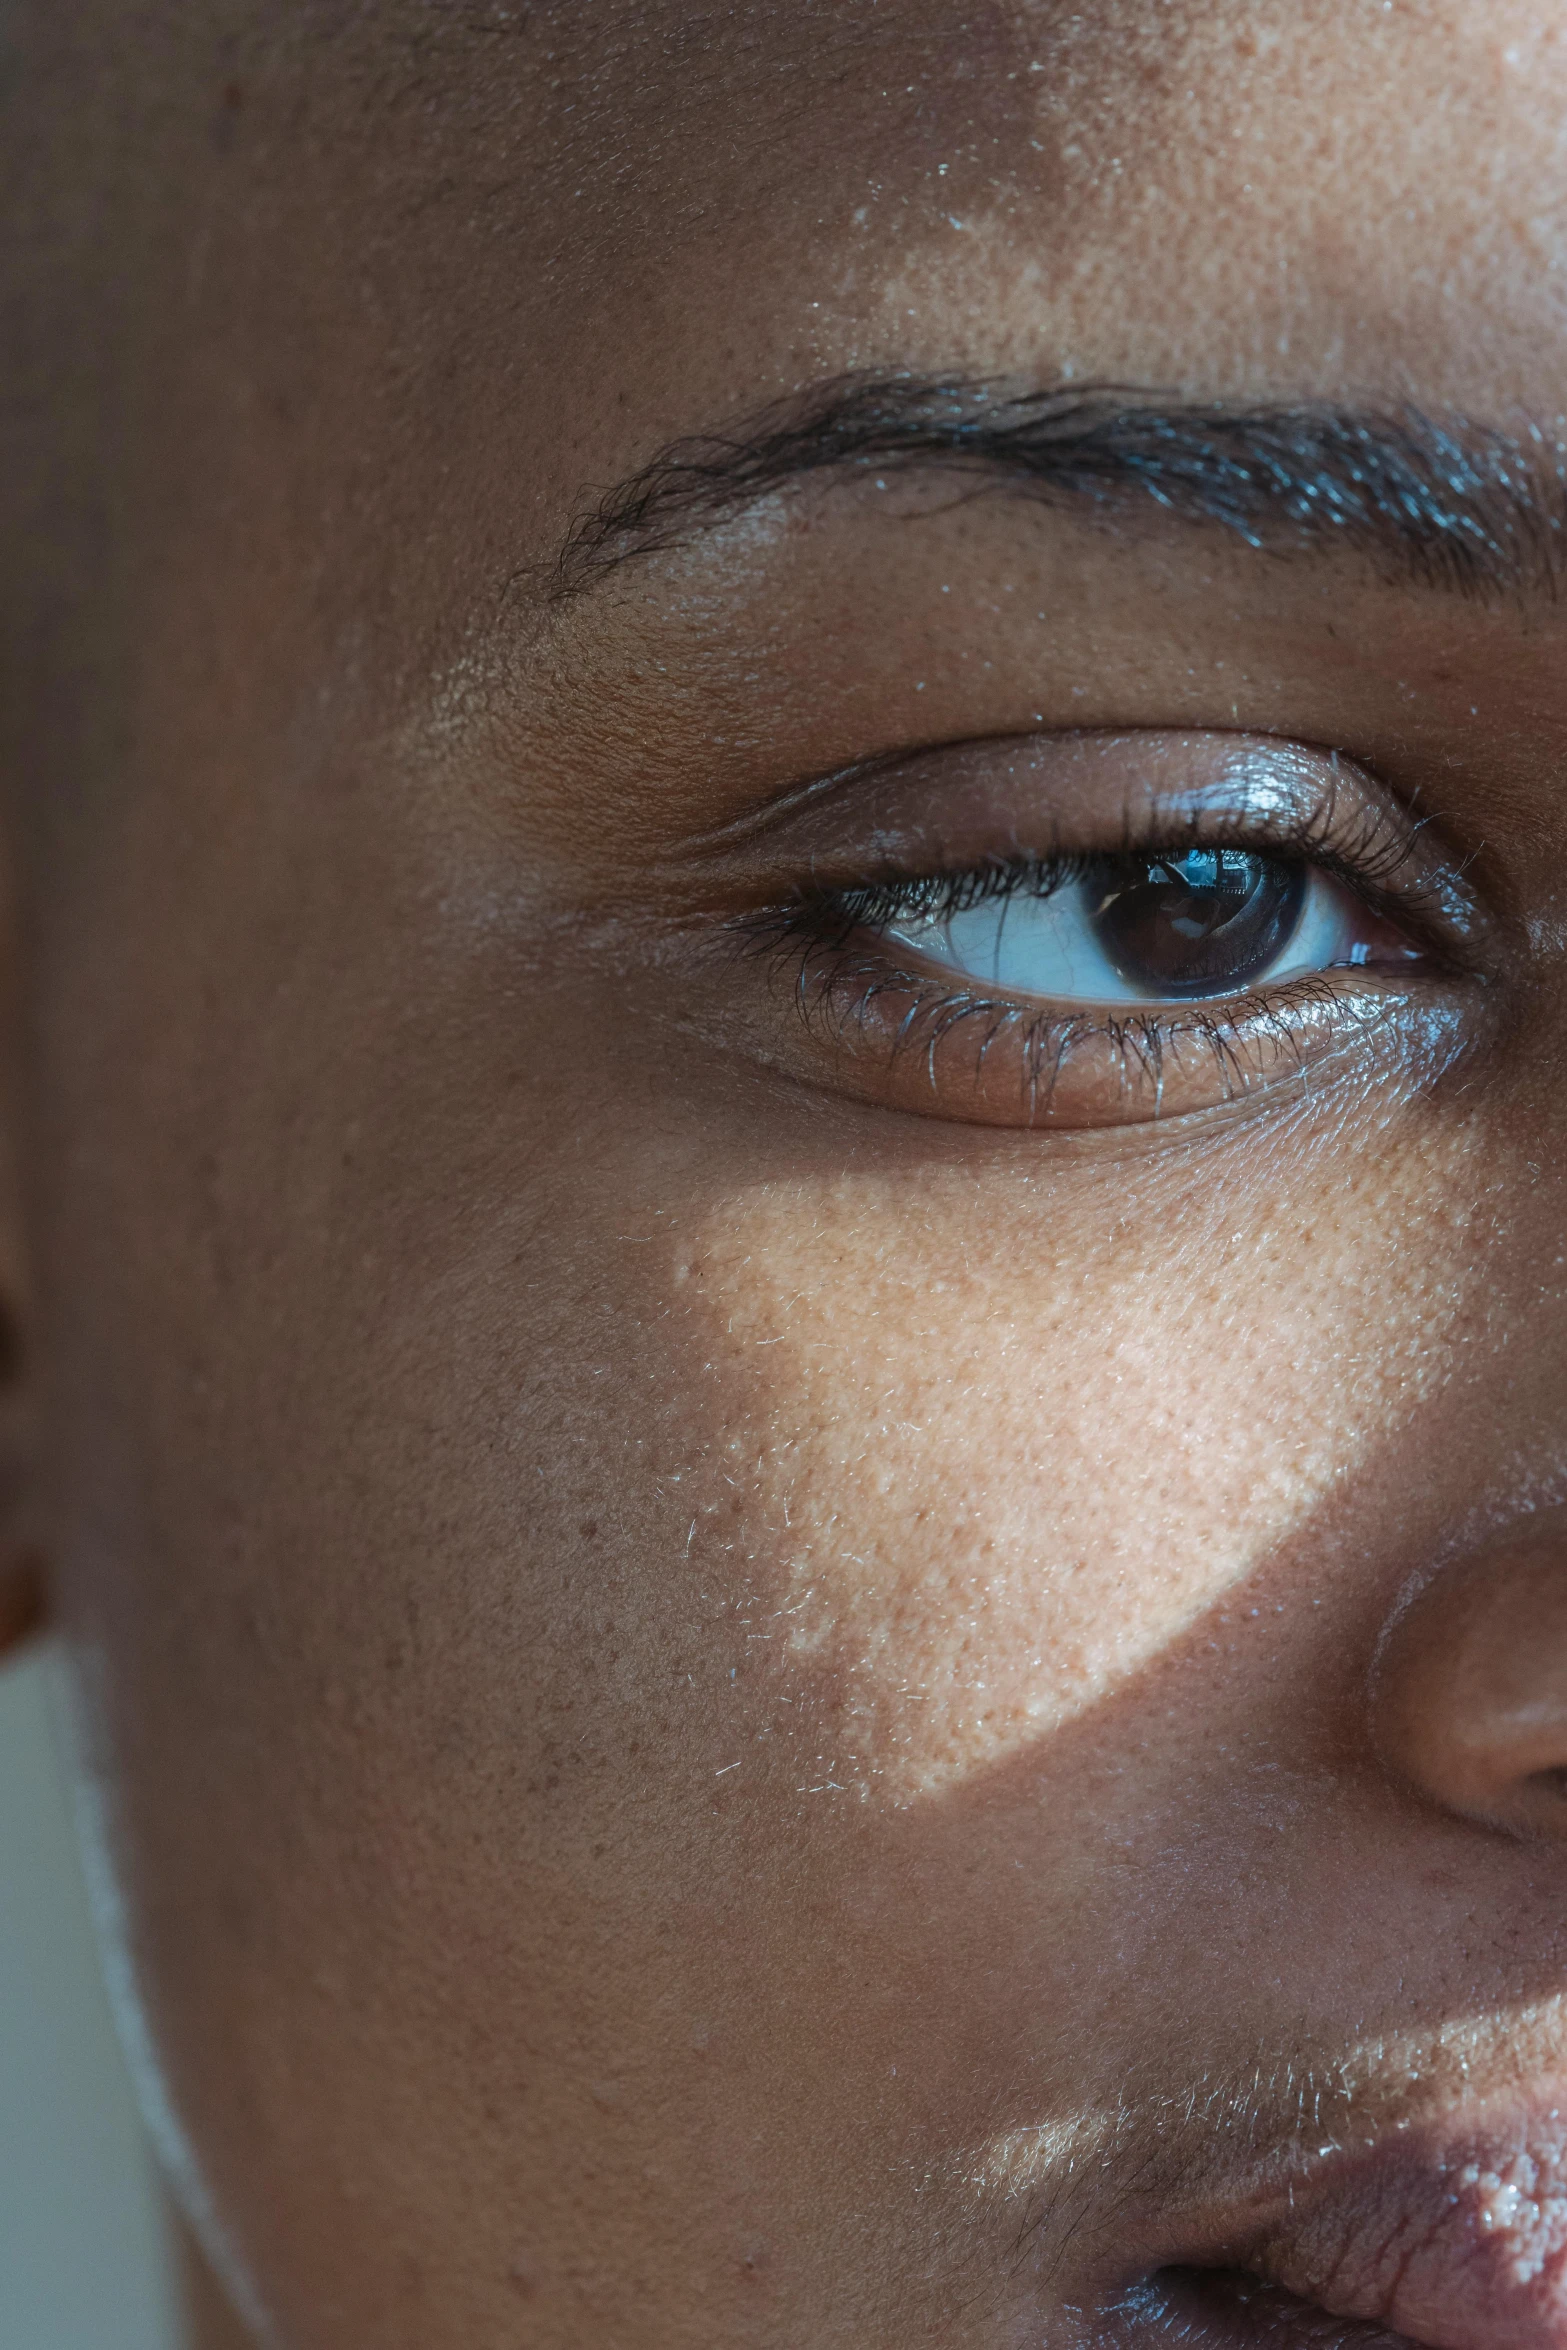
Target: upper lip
(1450, 2232)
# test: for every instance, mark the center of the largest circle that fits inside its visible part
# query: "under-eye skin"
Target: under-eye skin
(1205, 950)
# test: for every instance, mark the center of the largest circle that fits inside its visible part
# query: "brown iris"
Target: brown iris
(1199, 922)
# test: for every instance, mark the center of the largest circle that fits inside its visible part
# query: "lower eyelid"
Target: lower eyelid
(977, 1058)
(891, 1030)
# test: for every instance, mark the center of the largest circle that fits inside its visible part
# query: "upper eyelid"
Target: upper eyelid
(1383, 865)
(811, 796)
(1234, 777)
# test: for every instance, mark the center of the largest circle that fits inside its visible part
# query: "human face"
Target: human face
(810, 1618)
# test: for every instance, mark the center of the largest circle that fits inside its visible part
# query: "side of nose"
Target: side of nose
(1469, 1689)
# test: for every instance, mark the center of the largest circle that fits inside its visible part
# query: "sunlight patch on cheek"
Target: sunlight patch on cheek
(978, 1490)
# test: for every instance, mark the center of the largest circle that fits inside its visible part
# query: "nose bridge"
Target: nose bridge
(1510, 1332)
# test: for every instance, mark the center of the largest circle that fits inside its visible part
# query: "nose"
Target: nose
(1469, 1692)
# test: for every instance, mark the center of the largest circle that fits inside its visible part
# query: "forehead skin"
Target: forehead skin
(478, 1422)
(388, 276)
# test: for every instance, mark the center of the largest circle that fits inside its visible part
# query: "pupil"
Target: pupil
(1199, 922)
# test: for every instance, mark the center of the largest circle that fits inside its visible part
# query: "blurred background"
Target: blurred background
(84, 2263)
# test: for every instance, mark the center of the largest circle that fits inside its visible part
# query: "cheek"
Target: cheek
(995, 1440)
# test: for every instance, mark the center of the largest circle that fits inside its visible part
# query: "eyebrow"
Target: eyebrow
(1436, 501)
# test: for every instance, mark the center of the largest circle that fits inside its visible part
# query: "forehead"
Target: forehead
(1228, 186)
(904, 168)
(631, 220)
(375, 295)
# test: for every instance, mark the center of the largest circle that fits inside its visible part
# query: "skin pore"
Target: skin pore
(754, 1676)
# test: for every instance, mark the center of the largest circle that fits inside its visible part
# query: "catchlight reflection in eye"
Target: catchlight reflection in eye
(1192, 924)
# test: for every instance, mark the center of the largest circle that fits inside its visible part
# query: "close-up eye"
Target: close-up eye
(1277, 910)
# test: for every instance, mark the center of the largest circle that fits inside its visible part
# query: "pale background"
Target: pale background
(83, 2262)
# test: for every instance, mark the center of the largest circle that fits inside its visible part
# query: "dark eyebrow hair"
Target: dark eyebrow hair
(1436, 500)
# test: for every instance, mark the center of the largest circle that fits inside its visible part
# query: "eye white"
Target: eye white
(1047, 946)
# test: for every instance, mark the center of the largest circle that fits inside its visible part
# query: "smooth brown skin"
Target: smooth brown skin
(484, 1383)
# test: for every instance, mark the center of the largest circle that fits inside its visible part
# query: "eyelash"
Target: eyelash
(813, 934)
(1365, 856)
